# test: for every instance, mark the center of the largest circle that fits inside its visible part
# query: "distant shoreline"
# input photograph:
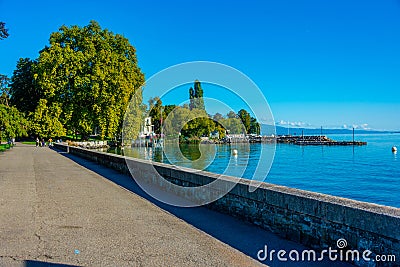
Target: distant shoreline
(280, 130)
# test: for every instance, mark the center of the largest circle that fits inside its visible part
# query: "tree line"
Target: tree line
(87, 81)
(81, 82)
(191, 121)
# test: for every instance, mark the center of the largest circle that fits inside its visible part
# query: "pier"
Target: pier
(315, 140)
(302, 140)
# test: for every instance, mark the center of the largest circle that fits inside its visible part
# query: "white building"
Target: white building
(148, 128)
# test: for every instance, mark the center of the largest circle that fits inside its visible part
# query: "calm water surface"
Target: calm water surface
(368, 173)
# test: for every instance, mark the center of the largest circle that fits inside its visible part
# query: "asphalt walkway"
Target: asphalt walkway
(54, 210)
(60, 210)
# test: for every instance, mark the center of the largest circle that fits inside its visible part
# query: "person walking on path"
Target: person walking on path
(37, 141)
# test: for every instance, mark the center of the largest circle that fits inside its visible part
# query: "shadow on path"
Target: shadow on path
(30, 263)
(238, 234)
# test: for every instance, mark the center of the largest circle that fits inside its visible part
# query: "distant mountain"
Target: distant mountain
(268, 129)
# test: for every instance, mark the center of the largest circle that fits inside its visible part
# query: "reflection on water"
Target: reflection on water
(207, 157)
(190, 152)
(147, 153)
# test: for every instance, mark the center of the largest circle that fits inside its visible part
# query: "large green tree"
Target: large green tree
(244, 116)
(176, 120)
(200, 125)
(91, 74)
(25, 94)
(189, 123)
(45, 121)
(12, 123)
(233, 125)
(168, 109)
(255, 127)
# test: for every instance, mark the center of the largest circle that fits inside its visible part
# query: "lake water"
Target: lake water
(368, 173)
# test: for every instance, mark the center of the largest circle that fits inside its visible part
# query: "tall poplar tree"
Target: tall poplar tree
(196, 96)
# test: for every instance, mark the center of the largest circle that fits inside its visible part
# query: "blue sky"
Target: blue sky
(329, 63)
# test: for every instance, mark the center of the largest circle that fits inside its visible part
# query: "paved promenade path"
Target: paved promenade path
(60, 209)
(54, 210)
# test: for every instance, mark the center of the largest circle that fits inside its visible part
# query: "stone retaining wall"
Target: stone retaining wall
(315, 220)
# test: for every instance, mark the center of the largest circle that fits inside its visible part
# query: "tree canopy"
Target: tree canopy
(244, 116)
(88, 78)
(231, 115)
(189, 123)
(192, 122)
(12, 123)
(44, 121)
(255, 127)
(24, 92)
(90, 74)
